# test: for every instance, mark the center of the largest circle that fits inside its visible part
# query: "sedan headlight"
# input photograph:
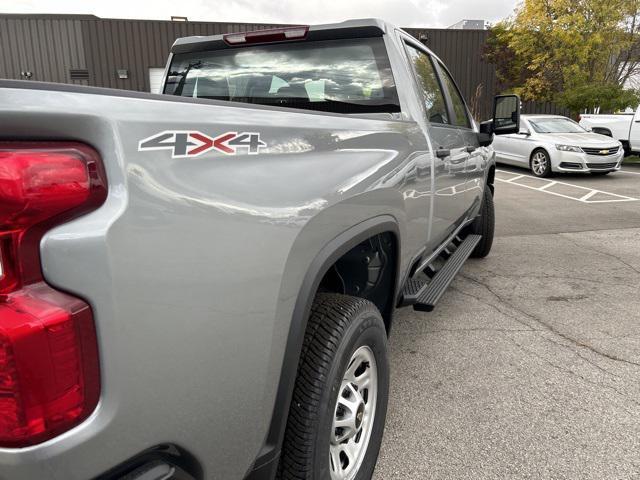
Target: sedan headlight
(569, 148)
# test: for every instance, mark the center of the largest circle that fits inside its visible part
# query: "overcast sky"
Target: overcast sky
(404, 13)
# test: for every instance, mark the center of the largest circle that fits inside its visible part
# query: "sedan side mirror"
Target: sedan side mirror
(506, 114)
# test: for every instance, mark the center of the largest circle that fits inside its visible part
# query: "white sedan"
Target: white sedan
(551, 143)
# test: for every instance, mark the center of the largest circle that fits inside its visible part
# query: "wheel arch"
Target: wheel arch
(602, 131)
(491, 178)
(540, 148)
(626, 146)
(266, 464)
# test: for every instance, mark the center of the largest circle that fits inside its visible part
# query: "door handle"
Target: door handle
(443, 152)
(471, 148)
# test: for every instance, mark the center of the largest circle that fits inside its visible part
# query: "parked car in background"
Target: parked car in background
(624, 127)
(549, 143)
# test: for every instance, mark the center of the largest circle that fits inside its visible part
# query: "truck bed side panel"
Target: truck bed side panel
(192, 265)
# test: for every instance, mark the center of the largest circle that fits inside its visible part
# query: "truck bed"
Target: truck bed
(167, 263)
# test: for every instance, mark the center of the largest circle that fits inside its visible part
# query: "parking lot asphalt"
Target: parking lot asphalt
(530, 365)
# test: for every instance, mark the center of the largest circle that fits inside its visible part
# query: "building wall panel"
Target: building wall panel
(463, 53)
(48, 48)
(137, 45)
(51, 45)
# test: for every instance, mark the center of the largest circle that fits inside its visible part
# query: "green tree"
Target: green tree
(577, 53)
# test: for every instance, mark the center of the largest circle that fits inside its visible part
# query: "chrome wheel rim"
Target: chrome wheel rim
(539, 163)
(353, 415)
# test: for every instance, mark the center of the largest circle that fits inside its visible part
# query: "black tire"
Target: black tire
(547, 172)
(339, 325)
(600, 174)
(484, 225)
(627, 149)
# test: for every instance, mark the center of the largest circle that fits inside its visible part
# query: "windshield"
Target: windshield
(556, 125)
(342, 76)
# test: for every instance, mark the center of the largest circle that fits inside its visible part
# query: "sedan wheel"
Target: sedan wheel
(541, 164)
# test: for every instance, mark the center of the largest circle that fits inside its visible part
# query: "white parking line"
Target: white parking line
(550, 184)
(586, 198)
(588, 195)
(518, 177)
(630, 173)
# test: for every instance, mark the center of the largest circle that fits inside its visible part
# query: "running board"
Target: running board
(424, 291)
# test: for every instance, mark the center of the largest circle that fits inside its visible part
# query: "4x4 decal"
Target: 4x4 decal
(191, 144)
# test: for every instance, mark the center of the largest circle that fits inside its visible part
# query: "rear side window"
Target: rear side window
(342, 76)
(428, 80)
(462, 118)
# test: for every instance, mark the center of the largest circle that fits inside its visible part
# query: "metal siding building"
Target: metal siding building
(462, 51)
(88, 50)
(48, 46)
(137, 45)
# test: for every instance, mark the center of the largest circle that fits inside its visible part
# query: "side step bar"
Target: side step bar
(425, 289)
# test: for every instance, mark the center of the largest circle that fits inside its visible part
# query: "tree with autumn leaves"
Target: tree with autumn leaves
(581, 54)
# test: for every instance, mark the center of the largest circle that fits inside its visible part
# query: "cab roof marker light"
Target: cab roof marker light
(296, 32)
(235, 38)
(267, 36)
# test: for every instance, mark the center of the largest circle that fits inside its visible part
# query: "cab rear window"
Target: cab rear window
(341, 76)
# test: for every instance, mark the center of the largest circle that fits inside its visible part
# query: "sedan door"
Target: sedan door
(514, 149)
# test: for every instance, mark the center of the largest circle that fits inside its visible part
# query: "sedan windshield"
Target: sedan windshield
(556, 125)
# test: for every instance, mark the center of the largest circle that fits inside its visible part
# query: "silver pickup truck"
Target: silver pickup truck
(200, 284)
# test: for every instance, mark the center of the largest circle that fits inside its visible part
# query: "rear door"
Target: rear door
(450, 153)
(508, 148)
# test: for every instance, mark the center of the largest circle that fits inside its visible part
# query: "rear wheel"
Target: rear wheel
(540, 164)
(339, 405)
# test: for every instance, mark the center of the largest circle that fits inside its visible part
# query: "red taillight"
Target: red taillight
(49, 374)
(267, 36)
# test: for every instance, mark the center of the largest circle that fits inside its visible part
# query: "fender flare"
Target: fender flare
(602, 131)
(490, 175)
(266, 464)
